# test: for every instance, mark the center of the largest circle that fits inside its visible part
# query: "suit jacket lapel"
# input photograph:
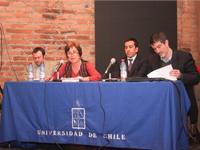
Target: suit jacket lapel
(134, 65)
(174, 60)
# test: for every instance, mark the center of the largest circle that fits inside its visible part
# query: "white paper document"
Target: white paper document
(70, 79)
(162, 73)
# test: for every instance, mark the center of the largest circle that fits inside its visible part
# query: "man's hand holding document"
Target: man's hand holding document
(163, 72)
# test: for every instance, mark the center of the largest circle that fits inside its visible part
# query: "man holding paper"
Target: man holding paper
(183, 68)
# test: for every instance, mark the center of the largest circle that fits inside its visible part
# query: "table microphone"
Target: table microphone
(61, 62)
(112, 61)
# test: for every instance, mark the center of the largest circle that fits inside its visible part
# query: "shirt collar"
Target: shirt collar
(133, 58)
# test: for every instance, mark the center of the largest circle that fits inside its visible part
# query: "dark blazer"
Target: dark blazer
(139, 68)
(180, 60)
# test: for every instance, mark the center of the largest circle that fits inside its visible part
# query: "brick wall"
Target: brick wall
(47, 23)
(188, 14)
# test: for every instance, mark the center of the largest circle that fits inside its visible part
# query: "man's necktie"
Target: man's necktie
(129, 64)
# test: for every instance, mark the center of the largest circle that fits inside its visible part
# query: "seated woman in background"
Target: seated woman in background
(76, 66)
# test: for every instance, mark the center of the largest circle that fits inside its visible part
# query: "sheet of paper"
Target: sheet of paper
(162, 73)
(70, 79)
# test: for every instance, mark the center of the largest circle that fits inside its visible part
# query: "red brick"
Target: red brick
(4, 3)
(18, 31)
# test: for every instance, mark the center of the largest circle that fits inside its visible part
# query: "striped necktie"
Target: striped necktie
(129, 64)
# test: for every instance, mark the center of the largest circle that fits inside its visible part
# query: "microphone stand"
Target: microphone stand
(57, 73)
(57, 77)
(110, 79)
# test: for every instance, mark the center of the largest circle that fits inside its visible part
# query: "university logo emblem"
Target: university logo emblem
(78, 118)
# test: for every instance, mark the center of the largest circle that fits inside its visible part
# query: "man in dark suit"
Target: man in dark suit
(135, 64)
(183, 69)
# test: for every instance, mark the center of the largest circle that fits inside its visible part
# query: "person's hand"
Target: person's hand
(176, 73)
(47, 78)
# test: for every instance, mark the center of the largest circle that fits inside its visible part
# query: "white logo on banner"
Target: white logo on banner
(78, 118)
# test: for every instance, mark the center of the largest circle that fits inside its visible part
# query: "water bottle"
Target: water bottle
(30, 72)
(123, 70)
(42, 72)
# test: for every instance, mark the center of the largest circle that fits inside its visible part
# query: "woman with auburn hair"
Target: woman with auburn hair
(76, 66)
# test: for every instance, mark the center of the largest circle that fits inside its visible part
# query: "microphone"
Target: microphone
(57, 67)
(61, 62)
(112, 61)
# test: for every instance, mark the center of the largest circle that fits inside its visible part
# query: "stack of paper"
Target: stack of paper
(162, 73)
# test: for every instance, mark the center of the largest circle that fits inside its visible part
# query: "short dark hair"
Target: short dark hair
(158, 37)
(71, 44)
(136, 43)
(37, 49)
